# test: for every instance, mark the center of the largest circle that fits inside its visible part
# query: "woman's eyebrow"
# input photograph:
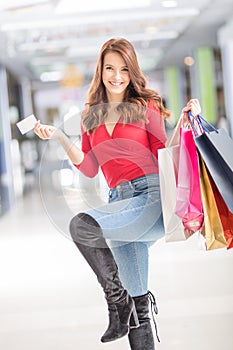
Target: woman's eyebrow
(108, 64)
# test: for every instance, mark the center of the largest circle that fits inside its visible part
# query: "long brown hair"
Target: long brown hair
(137, 94)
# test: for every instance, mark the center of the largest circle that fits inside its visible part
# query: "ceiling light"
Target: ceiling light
(92, 44)
(95, 19)
(51, 76)
(169, 3)
(19, 4)
(71, 6)
(151, 29)
(189, 61)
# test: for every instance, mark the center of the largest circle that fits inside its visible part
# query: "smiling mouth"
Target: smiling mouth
(115, 84)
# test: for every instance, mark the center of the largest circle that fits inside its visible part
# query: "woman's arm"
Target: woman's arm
(46, 132)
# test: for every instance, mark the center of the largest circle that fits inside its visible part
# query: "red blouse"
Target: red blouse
(130, 152)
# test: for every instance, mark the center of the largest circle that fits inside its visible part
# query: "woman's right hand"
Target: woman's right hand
(45, 132)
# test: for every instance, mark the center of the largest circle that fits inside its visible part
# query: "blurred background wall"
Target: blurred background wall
(48, 52)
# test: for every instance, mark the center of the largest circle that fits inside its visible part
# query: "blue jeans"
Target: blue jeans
(131, 222)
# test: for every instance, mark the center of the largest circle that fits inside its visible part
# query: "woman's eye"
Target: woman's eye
(109, 68)
(125, 69)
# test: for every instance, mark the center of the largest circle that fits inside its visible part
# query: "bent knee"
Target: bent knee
(84, 226)
(75, 226)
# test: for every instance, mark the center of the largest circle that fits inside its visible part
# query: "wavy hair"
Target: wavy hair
(136, 96)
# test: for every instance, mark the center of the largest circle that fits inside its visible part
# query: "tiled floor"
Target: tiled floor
(50, 300)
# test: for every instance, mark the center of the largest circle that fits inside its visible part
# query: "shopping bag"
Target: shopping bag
(226, 216)
(188, 199)
(212, 228)
(174, 138)
(216, 149)
(168, 159)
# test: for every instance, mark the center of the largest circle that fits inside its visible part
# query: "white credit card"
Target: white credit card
(27, 124)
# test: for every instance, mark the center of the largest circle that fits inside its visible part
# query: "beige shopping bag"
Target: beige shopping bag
(168, 164)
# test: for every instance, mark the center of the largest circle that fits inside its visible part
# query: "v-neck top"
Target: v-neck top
(129, 152)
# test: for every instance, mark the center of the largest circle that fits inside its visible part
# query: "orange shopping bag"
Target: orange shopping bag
(213, 229)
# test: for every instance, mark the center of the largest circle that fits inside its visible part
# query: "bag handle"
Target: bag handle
(200, 121)
(174, 138)
(191, 119)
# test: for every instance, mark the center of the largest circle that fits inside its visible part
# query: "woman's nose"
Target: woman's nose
(118, 74)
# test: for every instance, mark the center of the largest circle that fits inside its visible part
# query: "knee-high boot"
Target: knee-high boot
(88, 237)
(142, 338)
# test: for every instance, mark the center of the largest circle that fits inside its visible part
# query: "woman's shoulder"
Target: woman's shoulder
(152, 104)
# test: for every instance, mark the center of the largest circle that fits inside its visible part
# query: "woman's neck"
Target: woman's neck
(115, 98)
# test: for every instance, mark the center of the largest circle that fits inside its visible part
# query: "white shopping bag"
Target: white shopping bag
(168, 159)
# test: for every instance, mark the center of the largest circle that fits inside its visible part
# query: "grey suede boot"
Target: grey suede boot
(88, 237)
(141, 338)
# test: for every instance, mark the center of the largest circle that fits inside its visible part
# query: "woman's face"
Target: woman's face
(115, 76)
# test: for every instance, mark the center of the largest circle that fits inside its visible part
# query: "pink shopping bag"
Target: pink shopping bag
(189, 200)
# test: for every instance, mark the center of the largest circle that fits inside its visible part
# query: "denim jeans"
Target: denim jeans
(131, 222)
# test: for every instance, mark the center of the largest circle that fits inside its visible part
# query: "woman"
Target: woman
(122, 131)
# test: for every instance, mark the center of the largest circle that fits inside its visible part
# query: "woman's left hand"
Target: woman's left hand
(193, 106)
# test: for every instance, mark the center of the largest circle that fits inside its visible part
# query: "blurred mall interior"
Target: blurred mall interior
(49, 298)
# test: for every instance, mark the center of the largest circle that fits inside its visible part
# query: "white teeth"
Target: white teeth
(115, 84)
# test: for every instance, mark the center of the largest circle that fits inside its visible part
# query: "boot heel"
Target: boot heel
(134, 322)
